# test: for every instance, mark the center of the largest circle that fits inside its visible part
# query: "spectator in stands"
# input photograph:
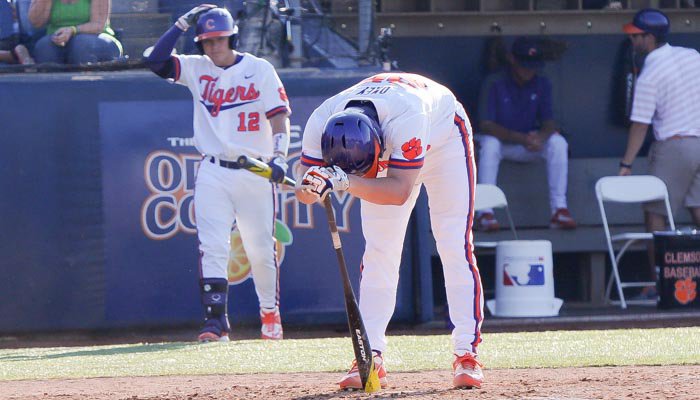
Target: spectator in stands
(77, 31)
(12, 51)
(516, 123)
(666, 96)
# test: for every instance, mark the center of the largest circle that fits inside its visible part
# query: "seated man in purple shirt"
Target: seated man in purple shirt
(516, 124)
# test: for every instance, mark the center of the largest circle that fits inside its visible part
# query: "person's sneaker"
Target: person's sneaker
(271, 324)
(352, 381)
(486, 222)
(212, 332)
(562, 219)
(467, 372)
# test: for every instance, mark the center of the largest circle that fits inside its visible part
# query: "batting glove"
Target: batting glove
(190, 17)
(279, 169)
(322, 180)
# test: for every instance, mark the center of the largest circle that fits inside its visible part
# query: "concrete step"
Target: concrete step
(141, 24)
(139, 30)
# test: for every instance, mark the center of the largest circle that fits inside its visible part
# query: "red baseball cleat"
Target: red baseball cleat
(467, 372)
(352, 381)
(271, 324)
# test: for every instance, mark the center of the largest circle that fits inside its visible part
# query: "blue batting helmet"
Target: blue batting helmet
(648, 20)
(216, 22)
(352, 140)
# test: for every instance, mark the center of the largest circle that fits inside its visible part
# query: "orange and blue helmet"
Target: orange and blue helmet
(216, 22)
(352, 140)
(649, 20)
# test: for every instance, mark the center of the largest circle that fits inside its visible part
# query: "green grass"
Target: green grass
(406, 353)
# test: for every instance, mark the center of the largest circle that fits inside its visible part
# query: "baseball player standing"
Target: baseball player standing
(406, 131)
(667, 96)
(240, 108)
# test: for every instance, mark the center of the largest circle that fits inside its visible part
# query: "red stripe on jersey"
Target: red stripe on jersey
(403, 164)
(311, 162)
(277, 110)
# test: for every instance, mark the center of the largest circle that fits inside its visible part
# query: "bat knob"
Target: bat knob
(242, 161)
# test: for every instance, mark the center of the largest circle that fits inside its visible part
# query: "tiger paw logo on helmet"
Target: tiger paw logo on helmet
(412, 149)
(238, 263)
(686, 290)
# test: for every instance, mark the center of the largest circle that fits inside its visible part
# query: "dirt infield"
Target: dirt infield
(668, 382)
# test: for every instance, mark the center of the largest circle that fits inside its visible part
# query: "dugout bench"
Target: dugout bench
(525, 186)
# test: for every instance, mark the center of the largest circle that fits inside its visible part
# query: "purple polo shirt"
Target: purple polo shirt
(519, 108)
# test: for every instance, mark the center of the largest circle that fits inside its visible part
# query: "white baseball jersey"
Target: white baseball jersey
(410, 109)
(418, 117)
(250, 90)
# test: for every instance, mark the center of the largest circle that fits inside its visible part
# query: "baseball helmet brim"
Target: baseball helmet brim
(631, 29)
(210, 35)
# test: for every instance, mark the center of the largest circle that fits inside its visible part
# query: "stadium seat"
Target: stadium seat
(491, 196)
(628, 189)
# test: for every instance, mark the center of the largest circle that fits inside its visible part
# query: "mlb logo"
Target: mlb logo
(523, 275)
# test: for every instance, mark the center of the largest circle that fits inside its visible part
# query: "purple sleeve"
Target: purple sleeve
(160, 61)
(545, 107)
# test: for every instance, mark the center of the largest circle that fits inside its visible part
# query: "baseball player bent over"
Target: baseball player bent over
(381, 140)
(240, 108)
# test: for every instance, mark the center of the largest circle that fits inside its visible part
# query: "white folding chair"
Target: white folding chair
(491, 196)
(628, 189)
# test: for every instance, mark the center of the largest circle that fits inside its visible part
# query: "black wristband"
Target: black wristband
(623, 165)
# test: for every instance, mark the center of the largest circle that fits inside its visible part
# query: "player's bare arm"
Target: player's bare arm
(280, 123)
(635, 140)
(394, 189)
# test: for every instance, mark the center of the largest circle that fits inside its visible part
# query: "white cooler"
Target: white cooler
(524, 280)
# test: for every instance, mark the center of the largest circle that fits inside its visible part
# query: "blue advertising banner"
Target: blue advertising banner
(149, 165)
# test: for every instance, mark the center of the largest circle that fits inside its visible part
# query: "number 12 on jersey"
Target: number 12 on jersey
(248, 122)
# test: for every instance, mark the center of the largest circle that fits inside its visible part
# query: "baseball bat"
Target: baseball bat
(358, 333)
(260, 168)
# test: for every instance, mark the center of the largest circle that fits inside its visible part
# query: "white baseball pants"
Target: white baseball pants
(222, 196)
(449, 178)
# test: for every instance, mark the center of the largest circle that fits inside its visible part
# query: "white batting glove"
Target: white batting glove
(320, 181)
(279, 169)
(189, 17)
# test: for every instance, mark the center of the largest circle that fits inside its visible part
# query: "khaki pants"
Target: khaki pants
(676, 161)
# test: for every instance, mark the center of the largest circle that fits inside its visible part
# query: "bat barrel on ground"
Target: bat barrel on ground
(358, 333)
(260, 168)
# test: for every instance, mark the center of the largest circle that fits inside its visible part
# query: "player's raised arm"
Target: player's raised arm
(160, 60)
